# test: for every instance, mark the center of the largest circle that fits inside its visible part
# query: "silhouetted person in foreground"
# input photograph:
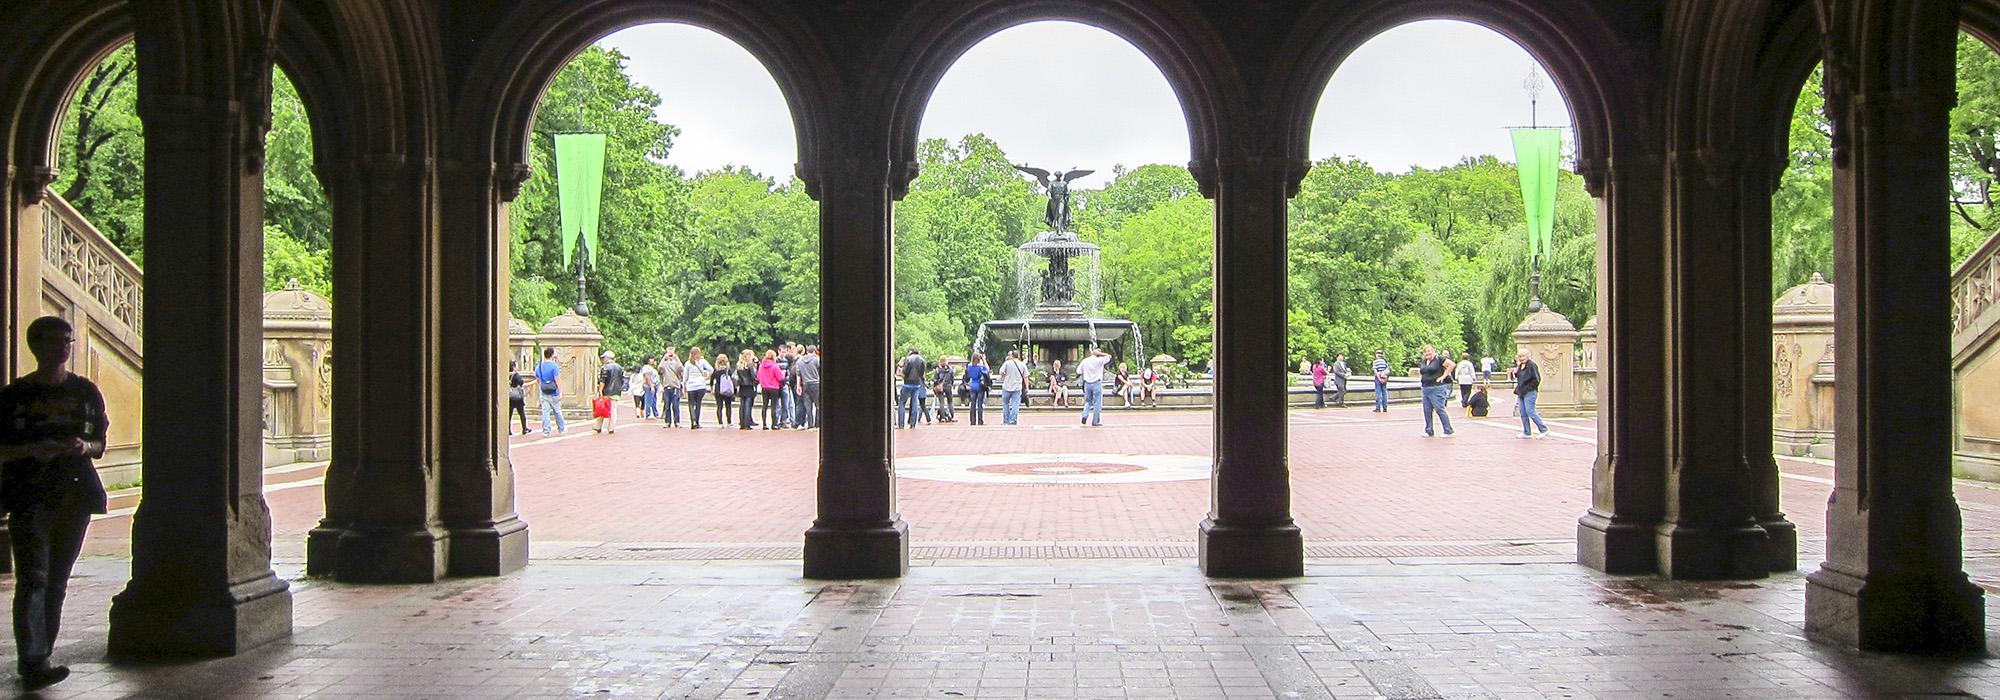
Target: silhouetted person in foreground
(52, 424)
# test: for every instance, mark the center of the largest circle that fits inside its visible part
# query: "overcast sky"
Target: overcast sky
(1058, 94)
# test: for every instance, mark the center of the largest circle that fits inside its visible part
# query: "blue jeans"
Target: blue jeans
(652, 403)
(1528, 413)
(911, 400)
(1381, 396)
(1437, 399)
(672, 413)
(1010, 406)
(976, 400)
(552, 413)
(790, 415)
(1093, 402)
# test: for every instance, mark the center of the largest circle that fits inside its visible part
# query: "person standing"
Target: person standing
(1013, 383)
(1486, 365)
(1381, 370)
(1340, 374)
(610, 385)
(1464, 373)
(771, 379)
(517, 397)
(943, 381)
(746, 388)
(977, 380)
(1319, 383)
(670, 389)
(637, 390)
(1433, 376)
(1091, 371)
(1528, 385)
(808, 369)
(788, 359)
(547, 375)
(649, 381)
(724, 380)
(1058, 385)
(911, 371)
(694, 381)
(52, 424)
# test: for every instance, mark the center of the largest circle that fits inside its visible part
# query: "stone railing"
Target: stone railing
(1975, 361)
(75, 253)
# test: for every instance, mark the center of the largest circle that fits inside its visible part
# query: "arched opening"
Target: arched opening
(1050, 215)
(1411, 232)
(93, 251)
(704, 241)
(1805, 374)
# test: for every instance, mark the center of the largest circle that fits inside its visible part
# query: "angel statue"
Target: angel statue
(1058, 186)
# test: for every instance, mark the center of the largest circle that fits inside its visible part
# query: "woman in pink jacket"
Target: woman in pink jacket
(771, 380)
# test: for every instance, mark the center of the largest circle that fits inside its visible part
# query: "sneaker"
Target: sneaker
(1542, 435)
(1524, 436)
(1428, 436)
(1450, 435)
(1081, 421)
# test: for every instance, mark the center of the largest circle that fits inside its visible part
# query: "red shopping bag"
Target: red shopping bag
(600, 407)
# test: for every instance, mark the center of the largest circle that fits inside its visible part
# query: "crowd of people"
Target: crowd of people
(673, 390)
(927, 391)
(1435, 377)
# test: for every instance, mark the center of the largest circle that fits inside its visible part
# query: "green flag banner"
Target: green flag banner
(579, 186)
(1538, 152)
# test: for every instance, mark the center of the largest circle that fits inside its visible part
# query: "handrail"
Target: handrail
(81, 255)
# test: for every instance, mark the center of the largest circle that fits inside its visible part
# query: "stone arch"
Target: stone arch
(1187, 51)
(1571, 40)
(72, 42)
(494, 124)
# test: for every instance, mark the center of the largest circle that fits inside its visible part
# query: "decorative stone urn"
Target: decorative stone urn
(576, 342)
(298, 376)
(1550, 340)
(1802, 419)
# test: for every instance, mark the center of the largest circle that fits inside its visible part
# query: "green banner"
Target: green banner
(1538, 152)
(579, 186)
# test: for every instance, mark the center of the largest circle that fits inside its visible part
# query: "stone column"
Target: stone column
(382, 524)
(476, 486)
(1761, 176)
(1709, 530)
(858, 533)
(201, 582)
(1893, 578)
(1249, 531)
(1551, 342)
(577, 344)
(1616, 535)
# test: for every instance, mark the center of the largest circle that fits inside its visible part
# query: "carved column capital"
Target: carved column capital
(34, 183)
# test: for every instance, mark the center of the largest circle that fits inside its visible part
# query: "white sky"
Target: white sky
(1058, 94)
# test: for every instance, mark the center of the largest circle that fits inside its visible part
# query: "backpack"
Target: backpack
(725, 387)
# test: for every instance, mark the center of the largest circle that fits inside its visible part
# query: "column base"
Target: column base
(489, 550)
(1271, 551)
(1694, 553)
(323, 549)
(362, 556)
(175, 622)
(1781, 551)
(1940, 614)
(6, 546)
(844, 553)
(1615, 546)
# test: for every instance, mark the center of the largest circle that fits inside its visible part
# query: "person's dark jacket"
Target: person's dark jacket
(1527, 378)
(746, 376)
(1477, 404)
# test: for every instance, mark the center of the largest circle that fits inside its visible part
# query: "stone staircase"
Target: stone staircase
(1975, 361)
(88, 281)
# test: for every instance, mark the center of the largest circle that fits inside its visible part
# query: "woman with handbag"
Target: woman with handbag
(517, 400)
(746, 388)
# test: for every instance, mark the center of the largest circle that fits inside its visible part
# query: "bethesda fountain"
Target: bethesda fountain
(1058, 291)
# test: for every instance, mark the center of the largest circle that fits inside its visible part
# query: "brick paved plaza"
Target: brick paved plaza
(667, 568)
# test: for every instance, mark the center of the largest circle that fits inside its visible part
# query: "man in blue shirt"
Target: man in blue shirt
(546, 375)
(1381, 368)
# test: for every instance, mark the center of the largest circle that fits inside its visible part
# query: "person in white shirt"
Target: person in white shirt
(1464, 374)
(1091, 371)
(1013, 383)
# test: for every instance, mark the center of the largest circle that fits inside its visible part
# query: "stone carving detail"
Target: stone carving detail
(1975, 288)
(1781, 366)
(74, 249)
(326, 379)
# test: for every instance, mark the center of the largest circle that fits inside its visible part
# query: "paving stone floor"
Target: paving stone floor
(1359, 628)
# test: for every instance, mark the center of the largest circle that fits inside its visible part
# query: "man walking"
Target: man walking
(807, 367)
(610, 384)
(1091, 370)
(670, 388)
(1435, 378)
(912, 396)
(942, 382)
(546, 375)
(1381, 368)
(1340, 374)
(1527, 385)
(1013, 381)
(52, 424)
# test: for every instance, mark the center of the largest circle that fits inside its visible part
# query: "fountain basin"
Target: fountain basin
(1059, 331)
